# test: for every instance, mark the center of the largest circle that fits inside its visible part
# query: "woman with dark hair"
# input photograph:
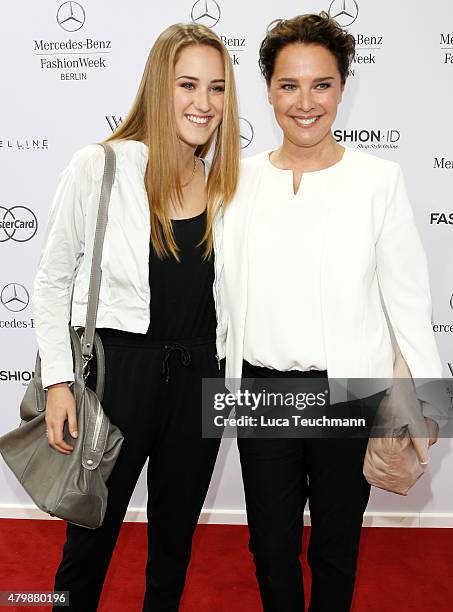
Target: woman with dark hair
(158, 314)
(314, 232)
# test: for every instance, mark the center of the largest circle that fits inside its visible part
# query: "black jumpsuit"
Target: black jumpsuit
(153, 393)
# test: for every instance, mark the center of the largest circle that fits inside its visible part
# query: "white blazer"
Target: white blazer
(65, 262)
(371, 245)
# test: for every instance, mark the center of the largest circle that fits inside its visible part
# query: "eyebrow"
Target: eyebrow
(291, 80)
(192, 78)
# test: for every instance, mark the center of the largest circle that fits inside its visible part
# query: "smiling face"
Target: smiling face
(305, 90)
(198, 93)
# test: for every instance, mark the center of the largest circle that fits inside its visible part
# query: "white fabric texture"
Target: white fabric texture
(65, 261)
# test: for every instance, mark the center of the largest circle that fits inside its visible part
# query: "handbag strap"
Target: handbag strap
(95, 275)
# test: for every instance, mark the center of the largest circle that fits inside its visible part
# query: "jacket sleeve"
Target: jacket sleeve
(402, 271)
(60, 256)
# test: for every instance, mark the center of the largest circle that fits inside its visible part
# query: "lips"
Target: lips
(199, 120)
(306, 122)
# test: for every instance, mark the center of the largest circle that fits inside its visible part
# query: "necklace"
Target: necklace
(193, 172)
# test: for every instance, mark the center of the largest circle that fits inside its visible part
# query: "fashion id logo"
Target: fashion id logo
(208, 13)
(369, 138)
(73, 59)
(440, 218)
(346, 13)
(23, 376)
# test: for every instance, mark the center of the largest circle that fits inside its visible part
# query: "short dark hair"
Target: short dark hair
(311, 29)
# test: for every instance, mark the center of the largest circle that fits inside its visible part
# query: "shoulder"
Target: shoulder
(371, 168)
(254, 162)
(89, 161)
(250, 167)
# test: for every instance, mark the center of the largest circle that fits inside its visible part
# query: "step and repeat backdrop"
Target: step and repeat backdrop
(69, 72)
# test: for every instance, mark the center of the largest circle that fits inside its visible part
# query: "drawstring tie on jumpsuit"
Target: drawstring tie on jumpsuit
(169, 349)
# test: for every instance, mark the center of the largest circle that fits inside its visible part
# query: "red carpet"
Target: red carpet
(400, 570)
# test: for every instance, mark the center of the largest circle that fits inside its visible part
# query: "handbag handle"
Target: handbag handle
(95, 276)
(83, 344)
(74, 336)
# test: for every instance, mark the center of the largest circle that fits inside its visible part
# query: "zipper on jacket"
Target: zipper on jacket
(215, 288)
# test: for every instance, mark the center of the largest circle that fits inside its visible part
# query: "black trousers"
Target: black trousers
(153, 394)
(279, 475)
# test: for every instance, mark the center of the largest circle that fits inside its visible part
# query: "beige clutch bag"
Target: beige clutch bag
(397, 451)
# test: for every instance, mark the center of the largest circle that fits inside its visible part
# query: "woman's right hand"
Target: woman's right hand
(60, 406)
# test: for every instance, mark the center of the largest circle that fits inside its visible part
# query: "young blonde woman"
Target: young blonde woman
(157, 304)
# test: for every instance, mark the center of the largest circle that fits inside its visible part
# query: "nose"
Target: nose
(305, 100)
(201, 101)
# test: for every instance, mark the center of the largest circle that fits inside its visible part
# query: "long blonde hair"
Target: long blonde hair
(152, 120)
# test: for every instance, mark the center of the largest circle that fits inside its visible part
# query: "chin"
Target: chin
(195, 142)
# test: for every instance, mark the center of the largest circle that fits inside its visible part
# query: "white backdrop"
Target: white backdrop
(69, 72)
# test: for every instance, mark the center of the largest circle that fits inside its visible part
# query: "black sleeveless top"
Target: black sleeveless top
(182, 302)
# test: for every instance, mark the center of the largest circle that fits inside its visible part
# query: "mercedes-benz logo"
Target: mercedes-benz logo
(15, 297)
(206, 12)
(345, 12)
(247, 132)
(18, 223)
(71, 16)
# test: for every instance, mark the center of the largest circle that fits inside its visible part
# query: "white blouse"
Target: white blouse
(286, 243)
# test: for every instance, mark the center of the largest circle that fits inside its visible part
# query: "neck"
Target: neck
(324, 153)
(186, 153)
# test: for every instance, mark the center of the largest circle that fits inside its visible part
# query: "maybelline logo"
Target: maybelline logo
(346, 12)
(18, 223)
(23, 376)
(441, 218)
(440, 163)
(25, 144)
(247, 132)
(369, 139)
(208, 12)
(446, 45)
(14, 297)
(72, 58)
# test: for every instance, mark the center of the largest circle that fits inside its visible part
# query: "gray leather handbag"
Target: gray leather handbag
(71, 486)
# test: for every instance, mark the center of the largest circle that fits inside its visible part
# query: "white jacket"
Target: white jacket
(65, 260)
(371, 244)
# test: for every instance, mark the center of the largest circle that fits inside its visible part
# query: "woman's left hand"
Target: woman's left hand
(433, 430)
